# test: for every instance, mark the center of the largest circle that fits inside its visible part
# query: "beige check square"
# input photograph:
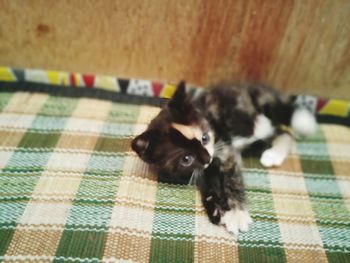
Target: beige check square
(35, 242)
(64, 186)
(45, 213)
(147, 113)
(126, 247)
(298, 207)
(16, 121)
(92, 109)
(299, 233)
(10, 138)
(24, 102)
(79, 142)
(287, 183)
(4, 158)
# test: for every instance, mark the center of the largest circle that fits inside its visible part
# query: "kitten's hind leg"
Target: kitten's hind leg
(281, 146)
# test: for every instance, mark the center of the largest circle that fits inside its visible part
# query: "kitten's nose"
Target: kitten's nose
(206, 165)
(206, 159)
(203, 154)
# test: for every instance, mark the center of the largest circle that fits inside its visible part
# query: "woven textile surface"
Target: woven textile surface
(71, 190)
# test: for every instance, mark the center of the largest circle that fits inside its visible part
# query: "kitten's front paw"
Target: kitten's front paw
(236, 221)
(271, 158)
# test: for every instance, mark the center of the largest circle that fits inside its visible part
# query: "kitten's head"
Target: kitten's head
(178, 141)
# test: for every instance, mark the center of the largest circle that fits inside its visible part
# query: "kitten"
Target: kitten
(179, 141)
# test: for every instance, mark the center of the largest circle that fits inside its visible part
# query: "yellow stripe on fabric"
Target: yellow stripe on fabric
(54, 77)
(168, 91)
(6, 74)
(57, 77)
(336, 107)
(106, 82)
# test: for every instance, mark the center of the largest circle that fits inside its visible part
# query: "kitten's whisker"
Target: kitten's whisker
(196, 176)
(191, 181)
(219, 145)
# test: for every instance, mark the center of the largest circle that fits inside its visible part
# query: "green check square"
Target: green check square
(251, 253)
(37, 140)
(58, 106)
(113, 144)
(123, 113)
(5, 240)
(81, 244)
(4, 99)
(171, 251)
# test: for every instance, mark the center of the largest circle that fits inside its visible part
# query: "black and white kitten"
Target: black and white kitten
(179, 143)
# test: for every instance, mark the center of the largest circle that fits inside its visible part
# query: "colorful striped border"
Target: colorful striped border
(327, 110)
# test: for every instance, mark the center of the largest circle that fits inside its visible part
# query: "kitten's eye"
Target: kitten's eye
(187, 160)
(205, 138)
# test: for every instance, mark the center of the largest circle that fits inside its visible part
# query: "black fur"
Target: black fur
(221, 188)
(230, 119)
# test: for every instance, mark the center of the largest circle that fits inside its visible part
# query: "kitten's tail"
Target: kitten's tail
(283, 109)
(299, 118)
(303, 122)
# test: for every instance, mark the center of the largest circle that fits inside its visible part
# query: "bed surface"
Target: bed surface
(71, 190)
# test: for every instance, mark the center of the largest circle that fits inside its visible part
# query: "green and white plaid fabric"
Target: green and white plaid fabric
(71, 190)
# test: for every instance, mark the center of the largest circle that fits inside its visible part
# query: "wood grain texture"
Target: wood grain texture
(297, 46)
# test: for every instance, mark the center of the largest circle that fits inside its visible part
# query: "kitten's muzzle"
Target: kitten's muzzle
(204, 157)
(207, 164)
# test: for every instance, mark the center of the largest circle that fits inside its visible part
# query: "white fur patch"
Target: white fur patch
(241, 142)
(236, 220)
(263, 127)
(303, 122)
(279, 151)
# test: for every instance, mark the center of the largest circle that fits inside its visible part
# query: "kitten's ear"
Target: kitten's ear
(144, 144)
(180, 106)
(179, 97)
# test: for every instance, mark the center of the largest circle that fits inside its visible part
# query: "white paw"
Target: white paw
(271, 157)
(236, 221)
(263, 127)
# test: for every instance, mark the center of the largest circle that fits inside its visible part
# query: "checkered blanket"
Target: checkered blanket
(71, 190)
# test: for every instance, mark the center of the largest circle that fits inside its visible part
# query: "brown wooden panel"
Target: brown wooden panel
(298, 46)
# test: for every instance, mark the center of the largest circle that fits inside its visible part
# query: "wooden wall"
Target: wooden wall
(296, 45)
